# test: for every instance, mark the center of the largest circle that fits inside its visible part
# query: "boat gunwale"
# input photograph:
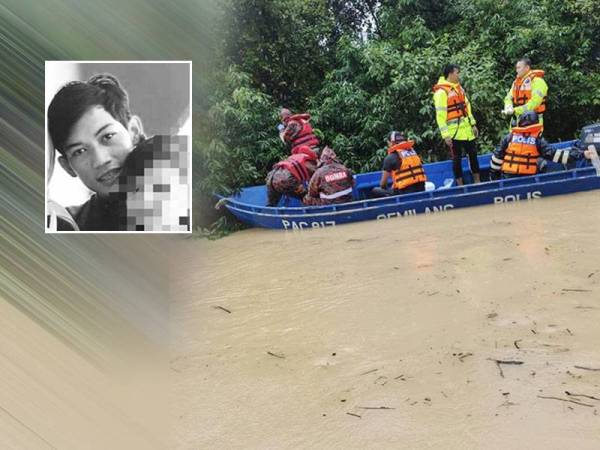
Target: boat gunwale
(329, 210)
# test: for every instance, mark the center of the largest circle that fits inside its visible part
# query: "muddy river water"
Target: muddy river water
(472, 329)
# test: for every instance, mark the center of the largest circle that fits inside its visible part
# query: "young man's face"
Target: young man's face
(454, 76)
(96, 149)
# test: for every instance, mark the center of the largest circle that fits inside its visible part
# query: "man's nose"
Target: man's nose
(102, 156)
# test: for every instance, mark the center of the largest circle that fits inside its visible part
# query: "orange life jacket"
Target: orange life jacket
(297, 165)
(457, 103)
(411, 168)
(521, 90)
(520, 158)
(306, 135)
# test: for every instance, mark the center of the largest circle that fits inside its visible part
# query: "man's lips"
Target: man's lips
(109, 177)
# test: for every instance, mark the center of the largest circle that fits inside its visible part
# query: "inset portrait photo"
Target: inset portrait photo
(118, 146)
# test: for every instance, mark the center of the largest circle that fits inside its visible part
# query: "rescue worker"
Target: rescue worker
(528, 92)
(296, 130)
(331, 183)
(403, 165)
(456, 122)
(290, 176)
(523, 150)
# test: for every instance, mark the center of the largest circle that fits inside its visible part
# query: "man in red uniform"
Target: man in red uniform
(331, 183)
(403, 165)
(290, 176)
(296, 130)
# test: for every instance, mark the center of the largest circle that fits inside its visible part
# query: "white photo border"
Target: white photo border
(189, 139)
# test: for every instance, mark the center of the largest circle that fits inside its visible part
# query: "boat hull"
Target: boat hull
(247, 206)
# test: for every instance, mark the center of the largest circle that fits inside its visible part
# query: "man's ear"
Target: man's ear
(136, 129)
(64, 162)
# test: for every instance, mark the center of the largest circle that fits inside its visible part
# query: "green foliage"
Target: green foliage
(364, 68)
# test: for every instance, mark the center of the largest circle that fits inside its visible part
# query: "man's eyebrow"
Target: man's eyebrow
(76, 144)
(102, 128)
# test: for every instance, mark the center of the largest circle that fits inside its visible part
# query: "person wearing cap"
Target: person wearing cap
(290, 176)
(296, 130)
(456, 122)
(528, 92)
(331, 183)
(403, 166)
(523, 151)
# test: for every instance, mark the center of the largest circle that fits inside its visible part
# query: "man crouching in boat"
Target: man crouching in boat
(403, 165)
(290, 176)
(523, 150)
(331, 183)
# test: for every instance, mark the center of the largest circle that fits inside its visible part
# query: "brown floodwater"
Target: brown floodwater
(385, 334)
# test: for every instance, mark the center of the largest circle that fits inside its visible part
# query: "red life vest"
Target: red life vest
(305, 149)
(521, 90)
(521, 155)
(297, 165)
(411, 168)
(457, 103)
(306, 135)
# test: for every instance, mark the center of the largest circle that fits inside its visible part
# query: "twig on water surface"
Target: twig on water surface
(587, 368)
(581, 395)
(352, 414)
(517, 345)
(501, 361)
(222, 309)
(564, 400)
(577, 290)
(276, 355)
(463, 356)
(374, 407)
(369, 371)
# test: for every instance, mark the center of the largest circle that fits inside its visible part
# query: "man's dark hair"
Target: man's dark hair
(526, 60)
(449, 68)
(77, 97)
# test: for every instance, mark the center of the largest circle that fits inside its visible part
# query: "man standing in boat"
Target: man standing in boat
(403, 165)
(527, 93)
(331, 183)
(296, 130)
(456, 122)
(522, 151)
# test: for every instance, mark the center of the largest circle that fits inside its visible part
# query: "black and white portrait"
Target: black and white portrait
(118, 144)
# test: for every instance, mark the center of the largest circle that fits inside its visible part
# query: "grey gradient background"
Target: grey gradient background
(84, 319)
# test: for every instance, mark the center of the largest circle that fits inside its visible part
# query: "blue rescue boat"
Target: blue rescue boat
(249, 204)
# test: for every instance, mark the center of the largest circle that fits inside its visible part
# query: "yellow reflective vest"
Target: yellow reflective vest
(458, 128)
(528, 94)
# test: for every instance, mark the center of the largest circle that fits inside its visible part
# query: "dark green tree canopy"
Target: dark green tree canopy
(363, 68)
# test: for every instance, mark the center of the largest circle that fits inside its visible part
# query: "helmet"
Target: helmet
(528, 118)
(395, 137)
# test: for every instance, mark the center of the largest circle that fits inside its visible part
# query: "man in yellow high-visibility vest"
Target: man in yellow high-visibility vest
(456, 122)
(527, 93)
